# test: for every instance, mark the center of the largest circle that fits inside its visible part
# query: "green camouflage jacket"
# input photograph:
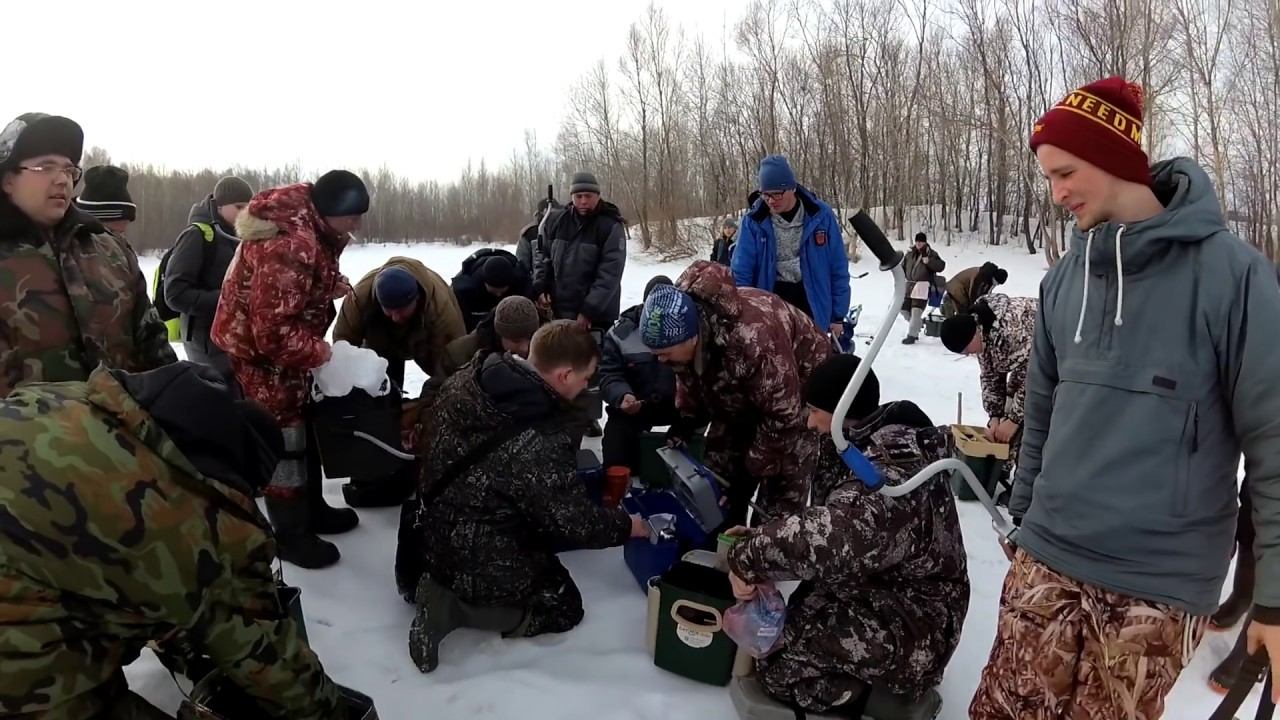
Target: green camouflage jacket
(110, 538)
(72, 299)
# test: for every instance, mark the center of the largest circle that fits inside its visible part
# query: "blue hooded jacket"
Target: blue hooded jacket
(824, 265)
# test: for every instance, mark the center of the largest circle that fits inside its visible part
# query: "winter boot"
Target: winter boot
(440, 612)
(1227, 674)
(294, 539)
(389, 491)
(1241, 597)
(325, 519)
(908, 340)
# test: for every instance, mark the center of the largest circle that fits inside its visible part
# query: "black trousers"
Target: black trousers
(794, 294)
(621, 442)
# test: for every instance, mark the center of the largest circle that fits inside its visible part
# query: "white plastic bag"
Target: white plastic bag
(348, 368)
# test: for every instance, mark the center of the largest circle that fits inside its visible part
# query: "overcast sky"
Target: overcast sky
(420, 86)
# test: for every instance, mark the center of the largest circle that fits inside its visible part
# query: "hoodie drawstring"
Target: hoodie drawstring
(1119, 280)
(1084, 300)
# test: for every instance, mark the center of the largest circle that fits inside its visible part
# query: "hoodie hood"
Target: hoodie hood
(205, 211)
(712, 284)
(516, 389)
(1117, 251)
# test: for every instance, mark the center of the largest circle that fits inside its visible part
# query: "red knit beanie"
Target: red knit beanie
(1100, 123)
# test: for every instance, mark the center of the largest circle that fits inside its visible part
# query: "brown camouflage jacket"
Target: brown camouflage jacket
(111, 538)
(277, 299)
(70, 299)
(1006, 350)
(757, 352)
(885, 586)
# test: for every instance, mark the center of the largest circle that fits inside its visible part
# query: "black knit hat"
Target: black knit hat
(498, 272)
(654, 282)
(106, 194)
(339, 193)
(957, 332)
(31, 135)
(828, 382)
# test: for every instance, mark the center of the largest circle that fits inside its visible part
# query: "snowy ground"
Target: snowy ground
(358, 624)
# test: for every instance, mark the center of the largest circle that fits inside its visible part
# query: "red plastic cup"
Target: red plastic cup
(617, 479)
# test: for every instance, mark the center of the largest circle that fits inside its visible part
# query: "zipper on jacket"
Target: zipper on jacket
(1195, 428)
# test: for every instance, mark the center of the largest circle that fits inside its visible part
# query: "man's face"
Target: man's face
(678, 355)
(231, 212)
(1080, 187)
(41, 188)
(975, 345)
(519, 346)
(922, 246)
(779, 202)
(400, 316)
(119, 227)
(585, 202)
(495, 290)
(346, 224)
(819, 421)
(570, 383)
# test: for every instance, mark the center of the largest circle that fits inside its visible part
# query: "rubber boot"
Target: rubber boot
(325, 519)
(294, 540)
(1241, 597)
(1227, 674)
(440, 612)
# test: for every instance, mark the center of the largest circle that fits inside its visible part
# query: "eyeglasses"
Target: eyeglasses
(774, 195)
(71, 171)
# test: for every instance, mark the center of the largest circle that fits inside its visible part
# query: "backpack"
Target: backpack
(168, 314)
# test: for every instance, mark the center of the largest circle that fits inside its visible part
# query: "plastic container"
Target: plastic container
(216, 698)
(985, 458)
(334, 422)
(646, 558)
(653, 472)
(933, 325)
(690, 639)
(617, 480)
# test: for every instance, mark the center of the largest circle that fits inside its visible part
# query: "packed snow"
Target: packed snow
(358, 624)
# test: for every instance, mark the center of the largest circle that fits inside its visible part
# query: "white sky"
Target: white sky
(188, 84)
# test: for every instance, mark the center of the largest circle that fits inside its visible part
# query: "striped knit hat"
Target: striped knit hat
(106, 194)
(669, 318)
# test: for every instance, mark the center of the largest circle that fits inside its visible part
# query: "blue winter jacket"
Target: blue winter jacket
(824, 265)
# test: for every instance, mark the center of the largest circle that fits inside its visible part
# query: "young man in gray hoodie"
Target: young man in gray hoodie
(1152, 368)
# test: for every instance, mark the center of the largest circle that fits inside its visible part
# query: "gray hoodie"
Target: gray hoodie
(1150, 373)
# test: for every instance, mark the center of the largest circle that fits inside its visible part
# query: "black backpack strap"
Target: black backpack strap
(1254, 666)
(473, 456)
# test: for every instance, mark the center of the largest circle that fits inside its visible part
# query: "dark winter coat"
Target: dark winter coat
(755, 353)
(524, 247)
(964, 288)
(190, 286)
(920, 267)
(276, 302)
(70, 299)
(722, 248)
(627, 367)
(474, 300)
(580, 261)
(1006, 352)
(491, 532)
(885, 587)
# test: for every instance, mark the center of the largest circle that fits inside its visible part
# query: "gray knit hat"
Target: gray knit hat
(231, 190)
(516, 318)
(584, 182)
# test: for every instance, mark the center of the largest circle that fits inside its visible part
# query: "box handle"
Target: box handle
(714, 627)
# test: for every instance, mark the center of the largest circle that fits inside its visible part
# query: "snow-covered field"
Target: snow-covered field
(359, 625)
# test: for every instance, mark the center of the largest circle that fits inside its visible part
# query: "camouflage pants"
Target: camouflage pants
(1064, 649)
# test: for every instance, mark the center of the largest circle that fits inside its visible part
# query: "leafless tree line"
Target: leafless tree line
(919, 108)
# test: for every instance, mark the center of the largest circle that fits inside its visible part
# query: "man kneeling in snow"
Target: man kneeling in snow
(884, 586)
(499, 492)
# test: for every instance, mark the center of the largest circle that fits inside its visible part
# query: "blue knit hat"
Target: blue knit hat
(670, 317)
(395, 288)
(776, 174)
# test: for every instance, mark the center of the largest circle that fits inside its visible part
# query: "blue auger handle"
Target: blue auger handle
(862, 468)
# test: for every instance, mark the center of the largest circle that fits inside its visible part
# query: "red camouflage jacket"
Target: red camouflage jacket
(277, 299)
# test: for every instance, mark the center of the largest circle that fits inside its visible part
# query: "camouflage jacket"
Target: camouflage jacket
(1006, 350)
(277, 299)
(491, 533)
(110, 538)
(758, 350)
(70, 299)
(423, 340)
(885, 586)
